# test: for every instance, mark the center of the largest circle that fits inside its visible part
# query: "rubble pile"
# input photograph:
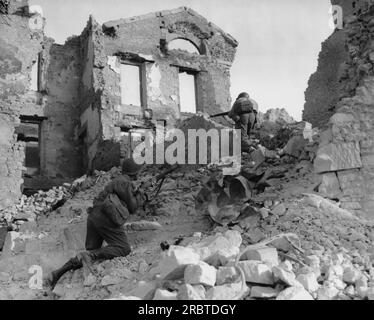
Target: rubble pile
(39, 203)
(279, 116)
(291, 138)
(272, 129)
(219, 266)
(262, 234)
(215, 270)
(43, 202)
(286, 245)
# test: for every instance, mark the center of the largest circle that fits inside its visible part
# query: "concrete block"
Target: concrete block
(200, 273)
(329, 186)
(165, 295)
(176, 260)
(256, 272)
(294, 293)
(264, 292)
(334, 157)
(286, 276)
(266, 255)
(144, 290)
(308, 281)
(189, 292)
(227, 275)
(351, 275)
(219, 249)
(327, 292)
(227, 292)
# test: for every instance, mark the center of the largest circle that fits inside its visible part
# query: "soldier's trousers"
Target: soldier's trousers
(245, 125)
(100, 228)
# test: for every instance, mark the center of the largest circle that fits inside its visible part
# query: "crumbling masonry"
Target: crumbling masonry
(343, 89)
(64, 109)
(62, 113)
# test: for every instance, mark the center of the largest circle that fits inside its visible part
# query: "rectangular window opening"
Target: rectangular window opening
(187, 91)
(29, 132)
(131, 86)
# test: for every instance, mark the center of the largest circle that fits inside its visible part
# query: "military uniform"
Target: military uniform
(244, 113)
(102, 227)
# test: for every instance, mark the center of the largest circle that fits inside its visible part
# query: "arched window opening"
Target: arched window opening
(183, 44)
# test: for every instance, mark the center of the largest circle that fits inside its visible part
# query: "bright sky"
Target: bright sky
(279, 40)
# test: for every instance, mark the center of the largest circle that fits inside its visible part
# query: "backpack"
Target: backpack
(243, 106)
(114, 209)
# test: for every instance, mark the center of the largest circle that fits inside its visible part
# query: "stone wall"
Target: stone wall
(55, 102)
(353, 7)
(327, 85)
(19, 48)
(61, 149)
(143, 40)
(324, 87)
(345, 158)
(78, 98)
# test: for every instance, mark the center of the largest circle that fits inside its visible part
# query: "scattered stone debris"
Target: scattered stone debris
(44, 202)
(263, 234)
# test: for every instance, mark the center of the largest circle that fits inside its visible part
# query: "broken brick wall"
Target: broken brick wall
(20, 43)
(327, 85)
(143, 41)
(57, 102)
(345, 158)
(51, 97)
(61, 148)
(90, 129)
(324, 86)
(99, 151)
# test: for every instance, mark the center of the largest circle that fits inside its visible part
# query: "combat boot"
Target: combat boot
(73, 264)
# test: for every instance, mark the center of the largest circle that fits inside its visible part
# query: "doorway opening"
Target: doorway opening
(29, 132)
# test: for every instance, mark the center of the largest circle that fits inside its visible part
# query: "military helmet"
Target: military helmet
(243, 95)
(130, 167)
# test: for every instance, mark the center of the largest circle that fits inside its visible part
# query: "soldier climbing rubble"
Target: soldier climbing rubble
(105, 221)
(244, 114)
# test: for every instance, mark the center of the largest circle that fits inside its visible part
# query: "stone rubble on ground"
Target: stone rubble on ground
(328, 252)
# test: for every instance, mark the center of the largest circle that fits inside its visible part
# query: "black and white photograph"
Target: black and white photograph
(211, 152)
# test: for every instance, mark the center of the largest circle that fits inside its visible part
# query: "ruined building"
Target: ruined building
(69, 109)
(326, 86)
(66, 108)
(340, 99)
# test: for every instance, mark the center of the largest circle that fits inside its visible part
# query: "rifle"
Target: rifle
(157, 184)
(219, 114)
